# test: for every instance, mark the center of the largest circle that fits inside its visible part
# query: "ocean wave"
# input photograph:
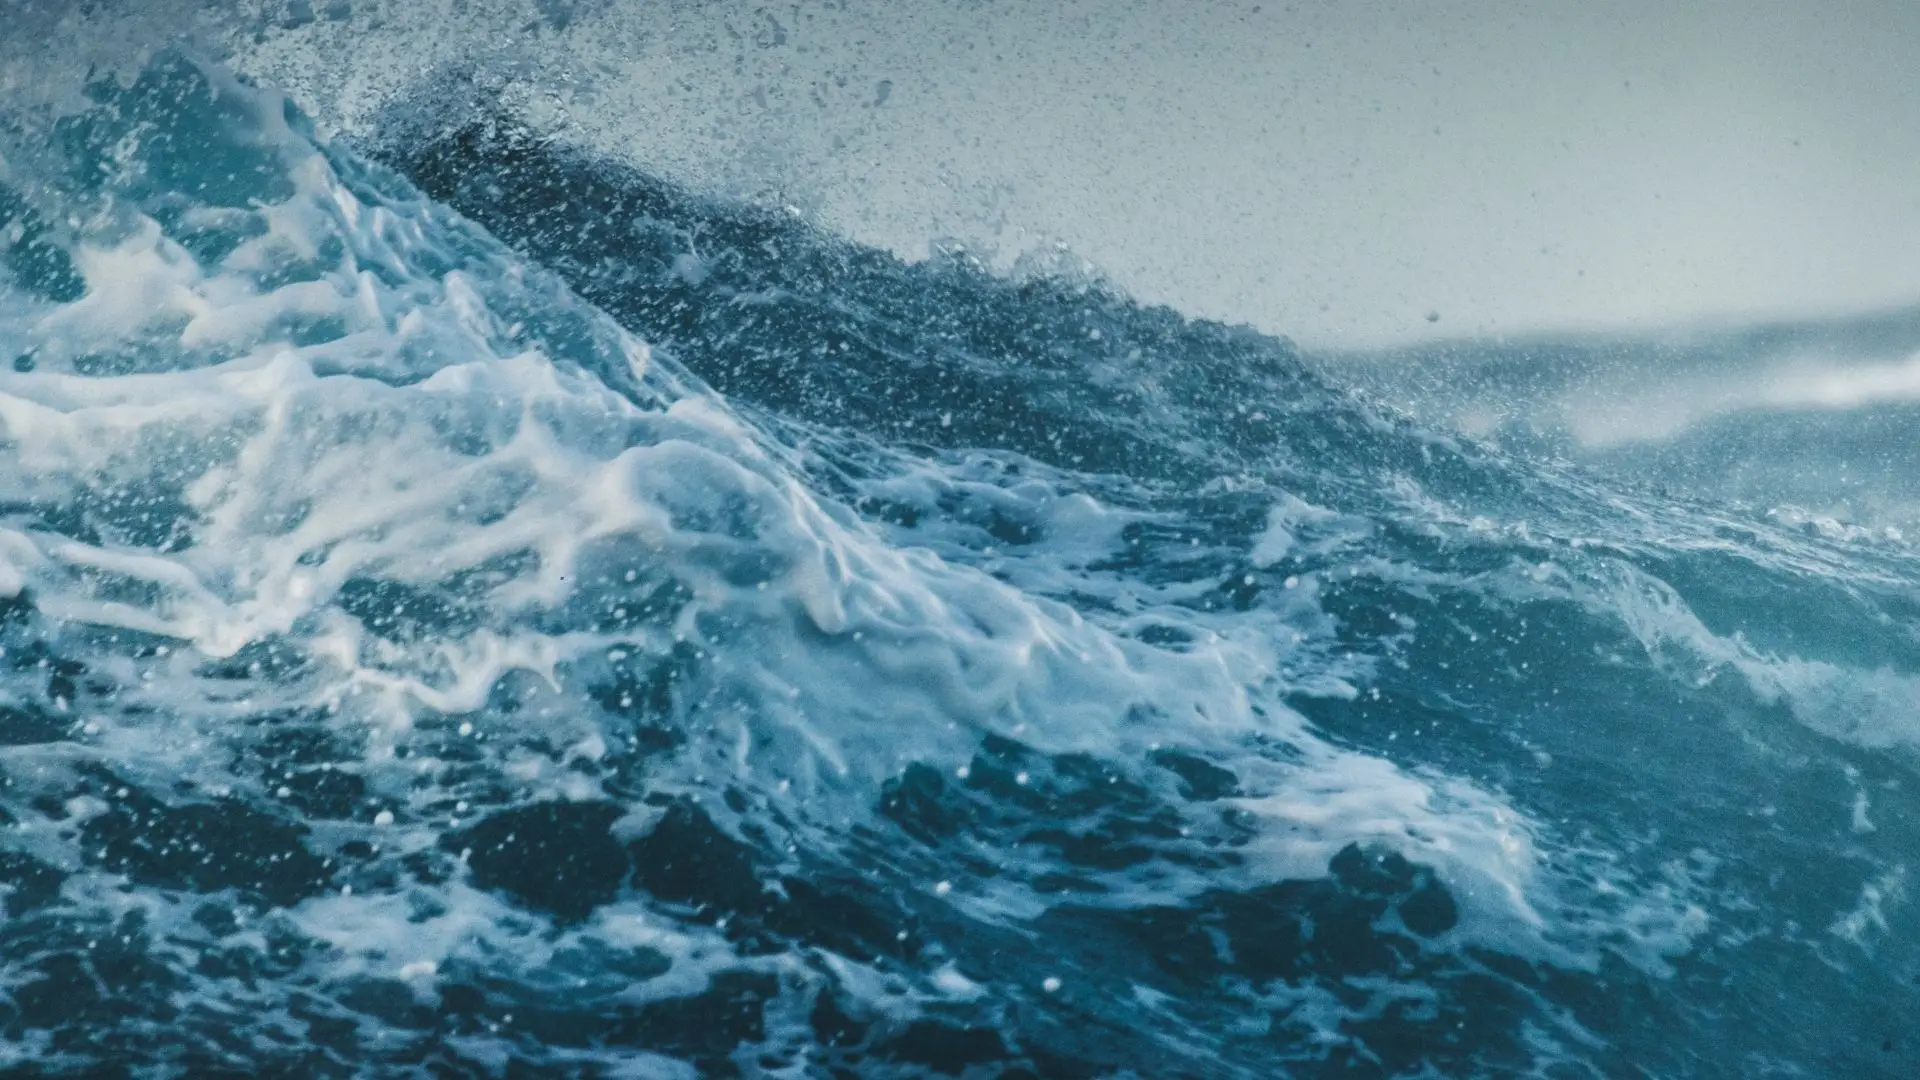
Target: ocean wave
(467, 607)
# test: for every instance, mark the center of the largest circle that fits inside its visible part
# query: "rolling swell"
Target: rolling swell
(410, 670)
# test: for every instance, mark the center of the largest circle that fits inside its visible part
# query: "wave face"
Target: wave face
(471, 610)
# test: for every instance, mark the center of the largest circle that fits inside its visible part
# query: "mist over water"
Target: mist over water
(482, 594)
(1327, 173)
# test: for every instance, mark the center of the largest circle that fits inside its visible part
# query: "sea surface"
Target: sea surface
(469, 608)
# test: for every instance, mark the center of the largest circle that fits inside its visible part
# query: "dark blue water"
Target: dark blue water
(470, 609)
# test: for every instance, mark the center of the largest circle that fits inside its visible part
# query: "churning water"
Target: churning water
(469, 609)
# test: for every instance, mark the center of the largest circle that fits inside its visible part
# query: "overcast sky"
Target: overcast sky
(1330, 171)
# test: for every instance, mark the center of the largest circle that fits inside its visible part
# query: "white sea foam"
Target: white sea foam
(419, 438)
(364, 436)
(1871, 707)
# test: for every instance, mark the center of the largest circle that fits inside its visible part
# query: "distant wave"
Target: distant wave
(1808, 420)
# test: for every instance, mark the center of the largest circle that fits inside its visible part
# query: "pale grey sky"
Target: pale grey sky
(1330, 171)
